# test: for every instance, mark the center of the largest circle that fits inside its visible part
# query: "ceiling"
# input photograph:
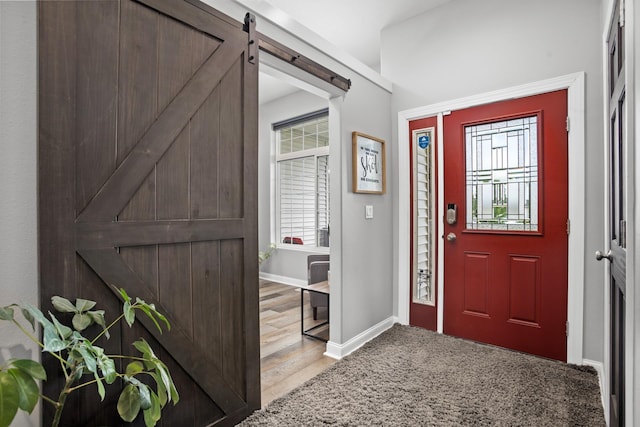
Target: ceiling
(352, 25)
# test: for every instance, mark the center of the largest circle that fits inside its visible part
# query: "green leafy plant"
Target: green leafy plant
(265, 255)
(81, 359)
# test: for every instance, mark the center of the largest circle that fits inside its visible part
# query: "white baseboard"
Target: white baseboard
(599, 367)
(283, 279)
(338, 351)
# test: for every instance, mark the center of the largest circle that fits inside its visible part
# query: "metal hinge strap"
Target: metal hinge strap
(250, 28)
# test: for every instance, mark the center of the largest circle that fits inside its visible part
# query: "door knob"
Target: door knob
(600, 256)
(451, 237)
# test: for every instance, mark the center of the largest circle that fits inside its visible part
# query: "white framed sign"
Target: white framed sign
(369, 165)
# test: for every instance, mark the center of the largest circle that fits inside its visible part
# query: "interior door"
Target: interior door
(617, 221)
(424, 227)
(147, 181)
(506, 224)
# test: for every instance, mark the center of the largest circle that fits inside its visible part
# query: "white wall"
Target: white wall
(366, 245)
(466, 47)
(18, 174)
(362, 250)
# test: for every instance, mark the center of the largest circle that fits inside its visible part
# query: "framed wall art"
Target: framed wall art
(369, 165)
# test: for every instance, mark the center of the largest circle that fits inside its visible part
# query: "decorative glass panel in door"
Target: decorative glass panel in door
(502, 175)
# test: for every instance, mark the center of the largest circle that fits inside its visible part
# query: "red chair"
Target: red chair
(292, 240)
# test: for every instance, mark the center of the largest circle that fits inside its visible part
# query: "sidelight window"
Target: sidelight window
(302, 162)
(423, 225)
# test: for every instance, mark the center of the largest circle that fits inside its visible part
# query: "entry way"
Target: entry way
(505, 225)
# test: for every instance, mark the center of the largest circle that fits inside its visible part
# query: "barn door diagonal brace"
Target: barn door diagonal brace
(250, 27)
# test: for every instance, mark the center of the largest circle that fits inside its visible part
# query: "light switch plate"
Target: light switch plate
(368, 212)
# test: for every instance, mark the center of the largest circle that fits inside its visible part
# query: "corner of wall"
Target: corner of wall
(18, 175)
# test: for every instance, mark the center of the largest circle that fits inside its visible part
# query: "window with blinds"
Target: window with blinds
(302, 157)
(423, 280)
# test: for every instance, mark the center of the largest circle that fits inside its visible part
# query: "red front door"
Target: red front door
(506, 224)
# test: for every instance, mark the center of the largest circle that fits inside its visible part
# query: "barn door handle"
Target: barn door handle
(600, 256)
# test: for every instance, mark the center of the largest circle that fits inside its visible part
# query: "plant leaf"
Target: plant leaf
(124, 295)
(79, 372)
(152, 414)
(81, 321)
(62, 305)
(98, 317)
(63, 331)
(74, 355)
(129, 403)
(31, 368)
(27, 389)
(145, 396)
(9, 398)
(89, 359)
(129, 313)
(172, 393)
(147, 311)
(29, 318)
(108, 368)
(143, 347)
(162, 391)
(152, 362)
(152, 308)
(37, 315)
(143, 389)
(100, 386)
(134, 368)
(6, 313)
(52, 342)
(84, 304)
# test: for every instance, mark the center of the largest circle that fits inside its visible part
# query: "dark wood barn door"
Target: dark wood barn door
(147, 181)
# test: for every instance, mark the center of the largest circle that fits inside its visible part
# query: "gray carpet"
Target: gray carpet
(412, 377)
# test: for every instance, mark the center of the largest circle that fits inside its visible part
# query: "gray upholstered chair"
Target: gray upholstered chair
(317, 270)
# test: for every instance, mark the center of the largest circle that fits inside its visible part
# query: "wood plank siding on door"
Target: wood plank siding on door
(148, 181)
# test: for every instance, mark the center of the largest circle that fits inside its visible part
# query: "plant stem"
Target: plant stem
(48, 399)
(60, 403)
(41, 345)
(79, 386)
(28, 334)
(63, 365)
(120, 356)
(63, 396)
(104, 331)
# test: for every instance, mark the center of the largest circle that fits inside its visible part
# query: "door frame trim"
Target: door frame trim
(575, 85)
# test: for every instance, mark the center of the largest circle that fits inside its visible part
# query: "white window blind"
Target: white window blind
(303, 181)
(423, 291)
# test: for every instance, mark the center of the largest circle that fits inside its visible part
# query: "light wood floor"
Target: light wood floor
(287, 358)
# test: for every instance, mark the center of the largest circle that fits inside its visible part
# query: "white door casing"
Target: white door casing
(575, 83)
